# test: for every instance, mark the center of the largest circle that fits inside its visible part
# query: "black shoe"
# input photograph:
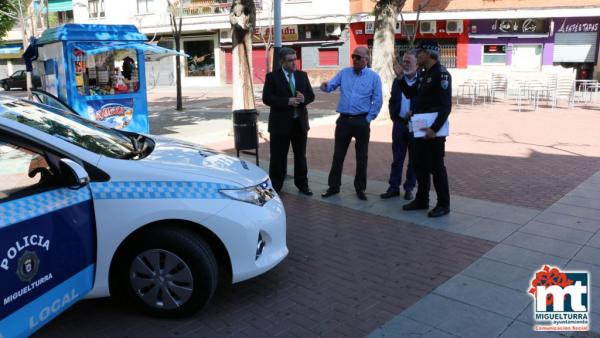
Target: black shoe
(361, 195)
(330, 192)
(438, 211)
(414, 205)
(408, 195)
(306, 191)
(389, 194)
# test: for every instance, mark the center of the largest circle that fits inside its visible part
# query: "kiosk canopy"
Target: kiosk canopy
(151, 52)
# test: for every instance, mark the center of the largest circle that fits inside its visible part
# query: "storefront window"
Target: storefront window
(96, 8)
(59, 18)
(109, 73)
(201, 60)
(494, 54)
(144, 6)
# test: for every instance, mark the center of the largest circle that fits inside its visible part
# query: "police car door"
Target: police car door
(47, 235)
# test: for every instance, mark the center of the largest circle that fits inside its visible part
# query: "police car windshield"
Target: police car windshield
(69, 127)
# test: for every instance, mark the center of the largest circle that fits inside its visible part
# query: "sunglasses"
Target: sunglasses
(356, 57)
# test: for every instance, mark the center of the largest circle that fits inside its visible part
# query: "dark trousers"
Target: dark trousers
(280, 144)
(429, 160)
(402, 143)
(346, 128)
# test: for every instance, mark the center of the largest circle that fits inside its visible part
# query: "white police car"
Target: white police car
(87, 211)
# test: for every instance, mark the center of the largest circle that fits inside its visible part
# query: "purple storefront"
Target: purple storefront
(522, 44)
(535, 43)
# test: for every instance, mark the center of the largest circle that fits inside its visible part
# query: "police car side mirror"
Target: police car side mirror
(74, 174)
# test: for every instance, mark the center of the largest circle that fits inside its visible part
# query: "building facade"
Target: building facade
(314, 28)
(474, 35)
(56, 13)
(507, 36)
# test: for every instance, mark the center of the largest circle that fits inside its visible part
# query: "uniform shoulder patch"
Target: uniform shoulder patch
(444, 84)
(444, 78)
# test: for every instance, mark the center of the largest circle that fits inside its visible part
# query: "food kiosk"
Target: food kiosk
(99, 71)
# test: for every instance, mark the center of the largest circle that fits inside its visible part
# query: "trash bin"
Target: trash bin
(245, 131)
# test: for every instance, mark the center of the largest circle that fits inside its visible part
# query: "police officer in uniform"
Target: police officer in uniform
(431, 93)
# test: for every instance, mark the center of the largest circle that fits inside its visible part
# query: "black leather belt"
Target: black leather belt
(350, 116)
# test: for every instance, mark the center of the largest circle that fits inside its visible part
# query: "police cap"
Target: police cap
(428, 45)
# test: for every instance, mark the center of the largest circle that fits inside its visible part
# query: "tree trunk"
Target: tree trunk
(21, 13)
(176, 20)
(242, 17)
(243, 89)
(178, 72)
(383, 57)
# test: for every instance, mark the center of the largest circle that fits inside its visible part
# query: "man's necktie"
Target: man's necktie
(293, 89)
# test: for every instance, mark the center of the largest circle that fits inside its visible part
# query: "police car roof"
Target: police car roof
(9, 103)
(4, 99)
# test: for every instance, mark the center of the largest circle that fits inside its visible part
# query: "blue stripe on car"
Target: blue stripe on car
(22, 209)
(158, 190)
(12, 212)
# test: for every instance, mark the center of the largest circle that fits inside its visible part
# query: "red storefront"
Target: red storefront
(259, 63)
(452, 36)
(260, 68)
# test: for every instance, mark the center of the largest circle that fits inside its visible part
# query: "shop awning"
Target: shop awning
(60, 5)
(151, 52)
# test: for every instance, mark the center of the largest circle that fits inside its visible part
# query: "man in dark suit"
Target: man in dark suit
(403, 142)
(287, 91)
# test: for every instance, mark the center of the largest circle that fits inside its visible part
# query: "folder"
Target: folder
(419, 121)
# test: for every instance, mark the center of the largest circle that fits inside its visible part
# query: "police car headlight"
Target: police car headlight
(258, 194)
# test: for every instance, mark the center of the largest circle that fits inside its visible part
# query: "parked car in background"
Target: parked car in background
(19, 80)
(89, 211)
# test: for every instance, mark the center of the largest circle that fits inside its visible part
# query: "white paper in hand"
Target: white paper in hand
(421, 121)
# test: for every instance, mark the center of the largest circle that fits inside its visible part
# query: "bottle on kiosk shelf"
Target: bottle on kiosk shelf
(134, 83)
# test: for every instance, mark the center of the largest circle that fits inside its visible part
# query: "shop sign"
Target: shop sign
(519, 26)
(510, 26)
(494, 49)
(370, 28)
(576, 27)
(288, 33)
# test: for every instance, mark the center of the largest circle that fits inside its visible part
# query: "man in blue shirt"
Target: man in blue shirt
(359, 104)
(402, 139)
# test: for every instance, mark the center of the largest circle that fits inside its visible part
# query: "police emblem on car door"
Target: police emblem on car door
(47, 237)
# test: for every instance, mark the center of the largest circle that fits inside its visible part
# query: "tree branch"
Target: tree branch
(423, 4)
(9, 15)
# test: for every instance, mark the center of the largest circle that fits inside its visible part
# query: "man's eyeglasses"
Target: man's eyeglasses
(356, 57)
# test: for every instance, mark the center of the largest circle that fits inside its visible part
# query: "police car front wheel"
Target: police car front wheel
(167, 273)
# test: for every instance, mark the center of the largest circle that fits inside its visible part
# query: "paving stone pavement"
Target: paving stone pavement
(352, 272)
(491, 154)
(348, 273)
(491, 292)
(535, 181)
